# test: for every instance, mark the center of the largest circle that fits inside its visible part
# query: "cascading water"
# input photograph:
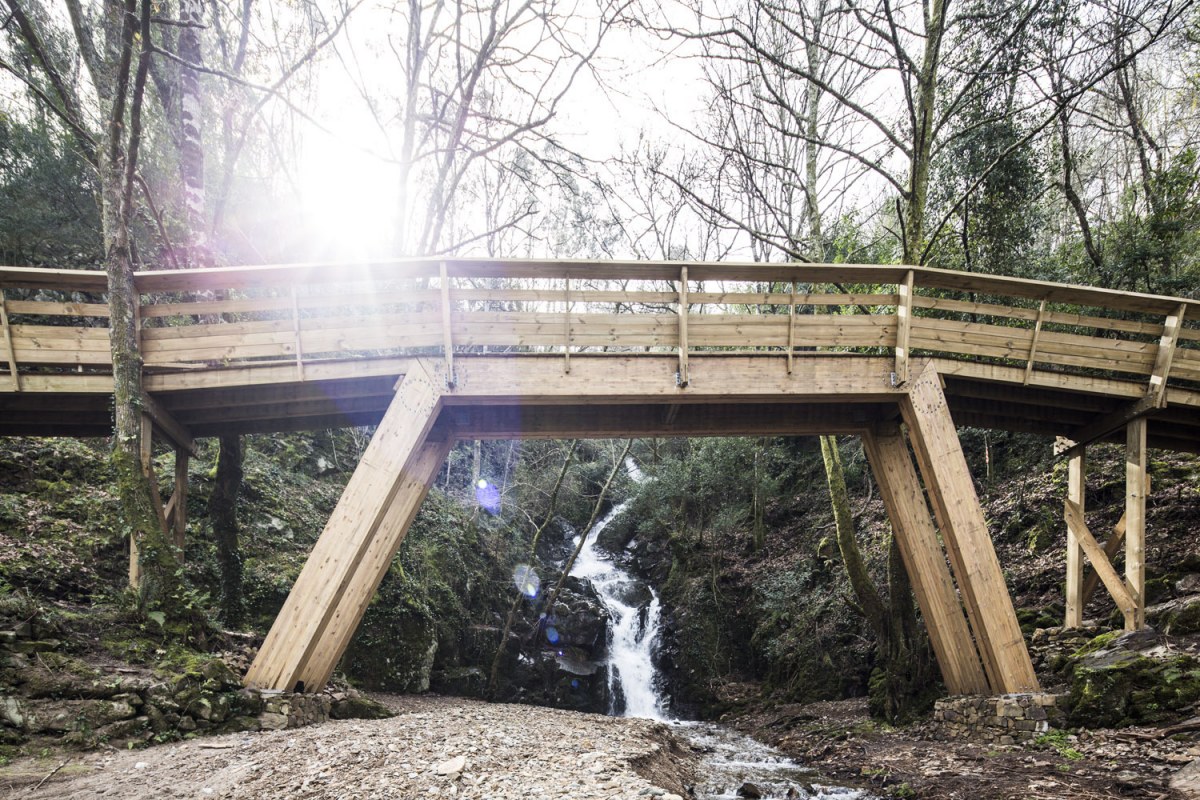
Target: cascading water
(733, 761)
(633, 684)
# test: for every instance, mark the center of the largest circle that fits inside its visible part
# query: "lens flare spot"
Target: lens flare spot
(552, 635)
(526, 580)
(488, 496)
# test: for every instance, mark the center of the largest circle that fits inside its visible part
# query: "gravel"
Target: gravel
(434, 748)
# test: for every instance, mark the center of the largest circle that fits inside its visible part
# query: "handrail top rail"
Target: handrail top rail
(250, 276)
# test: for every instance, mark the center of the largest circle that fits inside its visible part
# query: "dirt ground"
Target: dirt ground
(434, 747)
(840, 741)
(512, 752)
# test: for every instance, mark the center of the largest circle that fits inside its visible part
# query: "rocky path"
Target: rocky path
(435, 747)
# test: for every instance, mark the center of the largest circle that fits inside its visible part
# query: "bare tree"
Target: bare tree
(102, 107)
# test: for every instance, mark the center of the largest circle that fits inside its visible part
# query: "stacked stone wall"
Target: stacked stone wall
(1006, 719)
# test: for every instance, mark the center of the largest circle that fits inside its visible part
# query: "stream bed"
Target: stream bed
(731, 760)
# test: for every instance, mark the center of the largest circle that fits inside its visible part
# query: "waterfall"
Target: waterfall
(636, 614)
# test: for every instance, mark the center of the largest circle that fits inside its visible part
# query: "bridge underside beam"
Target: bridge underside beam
(271, 398)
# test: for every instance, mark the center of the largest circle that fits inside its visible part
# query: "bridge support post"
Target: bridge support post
(944, 467)
(1075, 590)
(1135, 520)
(356, 546)
(925, 561)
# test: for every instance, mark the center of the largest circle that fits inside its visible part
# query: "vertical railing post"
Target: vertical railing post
(903, 327)
(1037, 333)
(791, 345)
(447, 339)
(567, 326)
(684, 379)
(296, 334)
(10, 349)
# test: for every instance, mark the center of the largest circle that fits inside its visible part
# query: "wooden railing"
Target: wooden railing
(300, 314)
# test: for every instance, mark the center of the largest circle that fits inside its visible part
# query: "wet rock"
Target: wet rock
(749, 791)
(359, 707)
(1176, 617)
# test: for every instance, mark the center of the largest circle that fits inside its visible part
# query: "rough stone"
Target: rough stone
(1186, 782)
(453, 766)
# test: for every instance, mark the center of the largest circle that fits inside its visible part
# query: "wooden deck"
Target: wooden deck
(260, 349)
(434, 351)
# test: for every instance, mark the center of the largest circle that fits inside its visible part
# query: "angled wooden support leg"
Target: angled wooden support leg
(335, 564)
(1076, 479)
(964, 529)
(414, 485)
(925, 561)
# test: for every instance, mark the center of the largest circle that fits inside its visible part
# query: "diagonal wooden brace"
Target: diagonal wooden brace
(1095, 553)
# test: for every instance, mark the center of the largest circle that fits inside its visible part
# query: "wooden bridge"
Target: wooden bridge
(435, 351)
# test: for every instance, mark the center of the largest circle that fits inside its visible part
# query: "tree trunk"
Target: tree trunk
(902, 681)
(157, 559)
(913, 214)
(222, 511)
(191, 143)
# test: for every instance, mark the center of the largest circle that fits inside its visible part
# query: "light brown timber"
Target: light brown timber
(334, 565)
(447, 324)
(1037, 332)
(1111, 548)
(1104, 568)
(1135, 520)
(414, 485)
(1076, 494)
(14, 376)
(925, 561)
(904, 310)
(684, 377)
(1166, 354)
(964, 529)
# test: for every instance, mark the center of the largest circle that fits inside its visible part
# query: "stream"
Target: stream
(730, 759)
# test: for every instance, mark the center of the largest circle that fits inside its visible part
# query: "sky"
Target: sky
(347, 183)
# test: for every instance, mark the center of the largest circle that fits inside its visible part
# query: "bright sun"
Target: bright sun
(348, 198)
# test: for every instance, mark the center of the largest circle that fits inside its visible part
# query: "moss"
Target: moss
(1126, 688)
(1095, 645)
(1186, 620)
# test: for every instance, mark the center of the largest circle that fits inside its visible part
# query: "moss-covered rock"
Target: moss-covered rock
(359, 707)
(1176, 617)
(1121, 680)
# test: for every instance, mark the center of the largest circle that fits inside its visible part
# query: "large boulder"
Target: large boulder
(1130, 679)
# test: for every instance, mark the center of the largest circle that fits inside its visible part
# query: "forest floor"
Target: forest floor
(840, 740)
(518, 751)
(435, 747)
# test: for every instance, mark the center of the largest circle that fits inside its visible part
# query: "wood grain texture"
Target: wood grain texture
(925, 561)
(334, 565)
(968, 542)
